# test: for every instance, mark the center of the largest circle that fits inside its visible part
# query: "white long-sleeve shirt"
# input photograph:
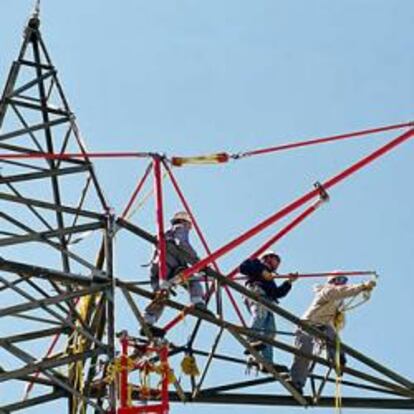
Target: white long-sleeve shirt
(328, 301)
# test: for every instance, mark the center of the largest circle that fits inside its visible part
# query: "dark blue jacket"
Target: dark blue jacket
(253, 269)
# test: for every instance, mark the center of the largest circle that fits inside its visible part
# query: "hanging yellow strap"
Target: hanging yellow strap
(217, 158)
(129, 399)
(339, 323)
(76, 343)
(116, 367)
(338, 396)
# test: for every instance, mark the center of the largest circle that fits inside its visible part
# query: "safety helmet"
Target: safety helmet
(334, 278)
(268, 253)
(181, 216)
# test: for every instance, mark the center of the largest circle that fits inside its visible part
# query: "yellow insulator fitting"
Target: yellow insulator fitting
(217, 158)
(189, 366)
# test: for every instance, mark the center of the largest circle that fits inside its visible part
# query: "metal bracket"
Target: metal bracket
(323, 194)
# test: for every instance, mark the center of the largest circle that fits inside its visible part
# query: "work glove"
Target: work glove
(368, 286)
(268, 275)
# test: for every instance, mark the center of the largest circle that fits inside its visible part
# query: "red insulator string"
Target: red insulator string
(219, 158)
(324, 140)
(295, 205)
(202, 239)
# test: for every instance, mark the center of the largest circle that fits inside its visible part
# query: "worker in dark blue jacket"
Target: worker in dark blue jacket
(260, 279)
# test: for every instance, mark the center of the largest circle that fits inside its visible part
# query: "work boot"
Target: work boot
(257, 345)
(277, 367)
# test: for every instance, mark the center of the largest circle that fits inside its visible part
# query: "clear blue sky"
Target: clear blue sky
(193, 77)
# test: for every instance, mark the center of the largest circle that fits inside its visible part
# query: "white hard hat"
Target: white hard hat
(181, 216)
(269, 253)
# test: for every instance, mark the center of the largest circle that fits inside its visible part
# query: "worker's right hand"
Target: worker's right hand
(370, 285)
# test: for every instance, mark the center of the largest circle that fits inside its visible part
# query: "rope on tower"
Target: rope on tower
(224, 157)
(323, 140)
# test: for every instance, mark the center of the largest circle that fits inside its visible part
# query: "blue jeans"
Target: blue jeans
(263, 322)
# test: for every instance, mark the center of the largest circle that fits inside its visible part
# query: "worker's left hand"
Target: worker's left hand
(370, 285)
(293, 277)
(267, 275)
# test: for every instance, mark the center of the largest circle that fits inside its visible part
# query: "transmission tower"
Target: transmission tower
(60, 339)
